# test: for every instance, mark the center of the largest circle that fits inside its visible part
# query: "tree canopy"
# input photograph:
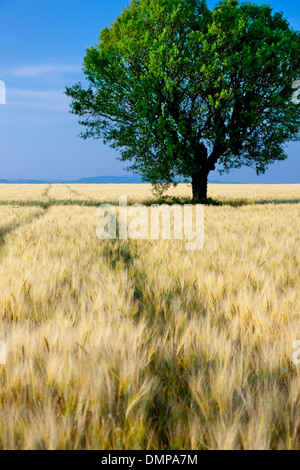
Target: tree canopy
(178, 88)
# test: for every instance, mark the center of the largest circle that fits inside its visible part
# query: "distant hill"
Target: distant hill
(91, 180)
(130, 179)
(110, 180)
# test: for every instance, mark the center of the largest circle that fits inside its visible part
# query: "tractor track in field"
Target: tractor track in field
(13, 227)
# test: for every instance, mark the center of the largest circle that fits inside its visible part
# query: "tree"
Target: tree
(178, 88)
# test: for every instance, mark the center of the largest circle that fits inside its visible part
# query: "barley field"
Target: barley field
(141, 344)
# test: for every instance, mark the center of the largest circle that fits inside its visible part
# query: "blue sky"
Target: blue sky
(42, 44)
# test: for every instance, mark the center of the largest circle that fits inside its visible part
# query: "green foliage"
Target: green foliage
(178, 88)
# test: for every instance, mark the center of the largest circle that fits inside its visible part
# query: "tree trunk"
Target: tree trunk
(199, 185)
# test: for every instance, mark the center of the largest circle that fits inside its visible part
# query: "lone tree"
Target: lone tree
(178, 88)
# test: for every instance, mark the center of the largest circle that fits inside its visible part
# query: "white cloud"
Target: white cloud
(40, 70)
(48, 100)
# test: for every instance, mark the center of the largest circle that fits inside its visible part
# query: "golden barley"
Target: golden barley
(136, 344)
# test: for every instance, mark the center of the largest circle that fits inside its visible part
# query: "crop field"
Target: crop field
(141, 344)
